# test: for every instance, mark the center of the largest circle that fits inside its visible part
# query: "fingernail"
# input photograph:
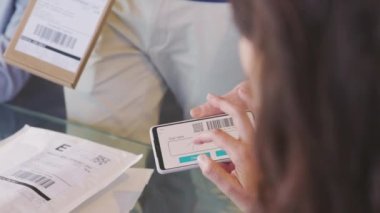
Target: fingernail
(210, 96)
(202, 138)
(202, 159)
(196, 112)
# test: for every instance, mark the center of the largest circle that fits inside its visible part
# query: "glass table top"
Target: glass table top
(185, 191)
(14, 118)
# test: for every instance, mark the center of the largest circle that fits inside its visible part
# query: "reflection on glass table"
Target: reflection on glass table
(185, 191)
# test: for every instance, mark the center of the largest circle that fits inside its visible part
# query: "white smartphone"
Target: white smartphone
(173, 143)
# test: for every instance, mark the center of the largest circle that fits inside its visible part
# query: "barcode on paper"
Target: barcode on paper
(35, 178)
(218, 124)
(55, 36)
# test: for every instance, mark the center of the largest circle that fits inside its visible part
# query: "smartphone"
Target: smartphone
(173, 143)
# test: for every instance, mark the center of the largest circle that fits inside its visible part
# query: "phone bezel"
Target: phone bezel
(157, 148)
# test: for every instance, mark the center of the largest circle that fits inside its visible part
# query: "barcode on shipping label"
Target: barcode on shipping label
(35, 178)
(66, 39)
(54, 36)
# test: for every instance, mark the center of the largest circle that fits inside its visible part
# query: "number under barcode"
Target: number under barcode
(35, 178)
(54, 36)
(218, 124)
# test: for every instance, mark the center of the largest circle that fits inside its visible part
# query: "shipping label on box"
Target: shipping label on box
(55, 38)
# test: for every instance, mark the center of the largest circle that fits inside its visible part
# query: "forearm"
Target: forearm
(12, 79)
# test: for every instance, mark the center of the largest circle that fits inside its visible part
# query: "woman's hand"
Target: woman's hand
(238, 179)
(240, 96)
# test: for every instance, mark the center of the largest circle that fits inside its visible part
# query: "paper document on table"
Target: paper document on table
(120, 196)
(46, 171)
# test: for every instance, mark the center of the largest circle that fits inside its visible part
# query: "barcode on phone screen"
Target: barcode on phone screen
(55, 36)
(198, 127)
(218, 124)
(35, 178)
(214, 124)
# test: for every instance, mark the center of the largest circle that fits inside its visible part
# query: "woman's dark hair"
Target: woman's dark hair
(318, 133)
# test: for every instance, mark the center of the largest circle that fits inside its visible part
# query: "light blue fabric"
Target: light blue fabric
(12, 79)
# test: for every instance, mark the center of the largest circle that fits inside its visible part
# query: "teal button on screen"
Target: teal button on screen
(191, 158)
(221, 153)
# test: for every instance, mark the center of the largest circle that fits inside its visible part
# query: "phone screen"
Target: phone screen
(174, 143)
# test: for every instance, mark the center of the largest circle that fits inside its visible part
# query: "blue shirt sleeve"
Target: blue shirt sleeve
(12, 79)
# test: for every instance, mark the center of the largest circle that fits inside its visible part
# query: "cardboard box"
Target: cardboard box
(55, 38)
